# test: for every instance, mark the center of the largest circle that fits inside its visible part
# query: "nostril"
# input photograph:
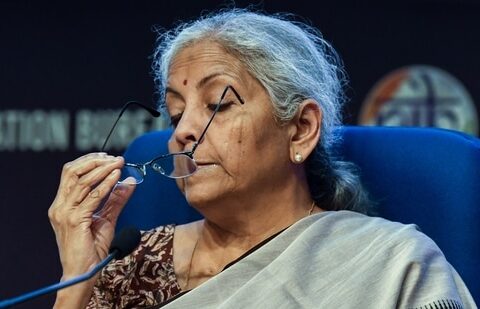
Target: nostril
(191, 138)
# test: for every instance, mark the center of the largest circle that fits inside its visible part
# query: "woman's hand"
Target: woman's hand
(84, 235)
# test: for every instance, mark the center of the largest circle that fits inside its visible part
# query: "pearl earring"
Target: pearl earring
(298, 157)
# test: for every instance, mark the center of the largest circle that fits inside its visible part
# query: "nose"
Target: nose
(187, 132)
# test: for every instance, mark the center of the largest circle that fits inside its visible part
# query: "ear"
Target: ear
(305, 131)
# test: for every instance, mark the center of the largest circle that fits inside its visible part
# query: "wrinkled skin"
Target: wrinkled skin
(83, 238)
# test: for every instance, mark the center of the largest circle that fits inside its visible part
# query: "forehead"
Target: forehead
(204, 58)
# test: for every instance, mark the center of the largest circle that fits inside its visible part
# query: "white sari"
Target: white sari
(337, 259)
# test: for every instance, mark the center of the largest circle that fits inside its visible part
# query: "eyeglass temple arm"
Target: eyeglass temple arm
(214, 113)
(152, 112)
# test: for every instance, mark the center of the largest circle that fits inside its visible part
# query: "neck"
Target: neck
(235, 226)
(244, 222)
(216, 245)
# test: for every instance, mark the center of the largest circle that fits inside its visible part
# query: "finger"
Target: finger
(61, 207)
(71, 167)
(84, 164)
(91, 155)
(73, 171)
(117, 201)
(88, 182)
(94, 197)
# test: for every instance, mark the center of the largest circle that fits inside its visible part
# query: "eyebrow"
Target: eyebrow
(175, 92)
(206, 79)
(199, 85)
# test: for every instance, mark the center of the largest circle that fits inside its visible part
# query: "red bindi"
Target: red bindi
(185, 82)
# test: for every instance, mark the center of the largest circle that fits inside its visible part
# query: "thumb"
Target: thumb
(117, 200)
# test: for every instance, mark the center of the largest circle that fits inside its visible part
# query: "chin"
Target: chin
(200, 177)
(202, 194)
(207, 185)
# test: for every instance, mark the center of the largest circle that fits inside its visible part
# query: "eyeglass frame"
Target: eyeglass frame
(143, 166)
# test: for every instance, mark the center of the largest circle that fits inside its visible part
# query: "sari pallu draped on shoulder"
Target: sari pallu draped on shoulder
(337, 259)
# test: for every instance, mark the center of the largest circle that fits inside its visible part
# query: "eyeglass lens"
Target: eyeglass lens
(172, 166)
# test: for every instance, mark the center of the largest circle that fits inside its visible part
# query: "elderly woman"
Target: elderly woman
(269, 92)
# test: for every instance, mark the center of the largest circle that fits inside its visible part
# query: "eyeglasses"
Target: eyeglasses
(172, 165)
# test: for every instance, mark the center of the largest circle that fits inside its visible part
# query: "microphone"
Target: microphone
(122, 245)
(125, 242)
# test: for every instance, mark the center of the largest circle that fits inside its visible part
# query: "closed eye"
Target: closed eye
(222, 107)
(175, 119)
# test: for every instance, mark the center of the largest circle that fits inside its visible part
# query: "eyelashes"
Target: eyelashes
(175, 119)
(223, 106)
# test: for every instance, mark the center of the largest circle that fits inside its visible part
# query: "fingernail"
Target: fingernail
(114, 159)
(129, 181)
(120, 187)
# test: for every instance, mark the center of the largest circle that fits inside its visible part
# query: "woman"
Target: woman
(269, 237)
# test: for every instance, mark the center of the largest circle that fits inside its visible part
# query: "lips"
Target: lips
(205, 165)
(202, 165)
(203, 162)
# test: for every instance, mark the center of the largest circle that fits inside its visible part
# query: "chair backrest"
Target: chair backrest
(430, 177)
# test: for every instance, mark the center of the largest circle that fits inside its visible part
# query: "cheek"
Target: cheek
(240, 147)
(260, 146)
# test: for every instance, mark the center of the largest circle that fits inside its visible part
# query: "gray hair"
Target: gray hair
(293, 63)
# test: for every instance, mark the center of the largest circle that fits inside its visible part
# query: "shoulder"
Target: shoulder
(155, 238)
(147, 272)
(394, 244)
(375, 229)
(397, 255)
(155, 246)
(152, 242)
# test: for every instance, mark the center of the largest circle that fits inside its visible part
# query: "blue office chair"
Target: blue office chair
(430, 177)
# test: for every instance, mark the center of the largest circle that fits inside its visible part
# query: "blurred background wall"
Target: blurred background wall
(67, 67)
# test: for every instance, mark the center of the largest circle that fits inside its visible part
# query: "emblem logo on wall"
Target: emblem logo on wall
(422, 96)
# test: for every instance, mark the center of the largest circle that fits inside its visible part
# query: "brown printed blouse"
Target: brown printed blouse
(142, 279)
